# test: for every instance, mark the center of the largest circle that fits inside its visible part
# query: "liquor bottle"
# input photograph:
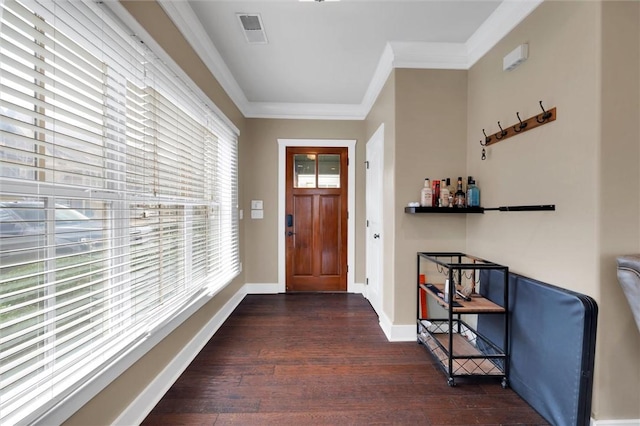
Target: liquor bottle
(435, 195)
(426, 195)
(451, 193)
(444, 192)
(473, 193)
(459, 198)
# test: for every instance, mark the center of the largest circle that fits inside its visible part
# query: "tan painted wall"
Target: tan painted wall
(576, 63)
(383, 111)
(618, 352)
(424, 112)
(260, 172)
(553, 164)
(431, 125)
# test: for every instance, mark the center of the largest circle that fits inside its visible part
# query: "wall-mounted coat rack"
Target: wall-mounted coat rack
(518, 128)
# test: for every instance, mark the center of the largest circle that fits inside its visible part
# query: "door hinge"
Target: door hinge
(366, 282)
(367, 223)
(366, 164)
(347, 161)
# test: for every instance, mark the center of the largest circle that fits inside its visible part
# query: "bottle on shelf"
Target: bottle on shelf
(444, 192)
(460, 198)
(426, 195)
(473, 193)
(435, 194)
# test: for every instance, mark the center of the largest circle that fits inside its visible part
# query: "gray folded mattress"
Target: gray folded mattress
(552, 335)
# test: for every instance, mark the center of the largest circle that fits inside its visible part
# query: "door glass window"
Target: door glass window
(328, 171)
(304, 171)
(316, 171)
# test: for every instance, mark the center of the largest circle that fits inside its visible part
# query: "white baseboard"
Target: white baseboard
(262, 288)
(275, 288)
(357, 288)
(385, 324)
(633, 422)
(136, 412)
(397, 333)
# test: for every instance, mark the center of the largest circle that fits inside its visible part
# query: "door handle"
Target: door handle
(289, 233)
(376, 236)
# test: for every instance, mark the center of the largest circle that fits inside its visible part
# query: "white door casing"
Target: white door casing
(282, 148)
(374, 237)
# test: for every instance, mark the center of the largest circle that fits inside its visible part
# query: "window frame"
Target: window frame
(80, 393)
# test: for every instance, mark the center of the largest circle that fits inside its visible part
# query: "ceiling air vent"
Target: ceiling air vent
(252, 28)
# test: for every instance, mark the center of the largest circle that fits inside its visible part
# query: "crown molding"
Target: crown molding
(379, 79)
(459, 56)
(187, 22)
(306, 111)
(430, 55)
(500, 23)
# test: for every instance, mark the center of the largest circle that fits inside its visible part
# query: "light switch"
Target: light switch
(257, 214)
(256, 204)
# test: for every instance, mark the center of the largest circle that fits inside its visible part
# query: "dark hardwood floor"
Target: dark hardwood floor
(303, 359)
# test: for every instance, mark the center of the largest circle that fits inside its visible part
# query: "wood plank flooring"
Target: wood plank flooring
(322, 359)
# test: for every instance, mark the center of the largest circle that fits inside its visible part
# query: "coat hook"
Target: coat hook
(487, 139)
(483, 143)
(503, 132)
(484, 154)
(545, 115)
(521, 126)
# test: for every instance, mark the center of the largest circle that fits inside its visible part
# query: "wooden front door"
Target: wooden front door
(316, 219)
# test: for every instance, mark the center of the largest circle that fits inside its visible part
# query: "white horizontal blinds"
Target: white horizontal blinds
(36, 77)
(179, 142)
(226, 194)
(55, 301)
(118, 198)
(46, 112)
(206, 233)
(65, 89)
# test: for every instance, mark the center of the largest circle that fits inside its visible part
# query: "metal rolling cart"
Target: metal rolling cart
(459, 349)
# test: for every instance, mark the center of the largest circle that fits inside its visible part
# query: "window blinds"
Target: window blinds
(118, 198)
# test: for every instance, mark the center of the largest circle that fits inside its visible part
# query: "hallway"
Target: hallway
(322, 359)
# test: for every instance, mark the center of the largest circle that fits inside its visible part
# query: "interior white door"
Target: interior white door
(375, 239)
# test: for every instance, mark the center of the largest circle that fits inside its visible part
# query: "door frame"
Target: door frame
(372, 266)
(350, 144)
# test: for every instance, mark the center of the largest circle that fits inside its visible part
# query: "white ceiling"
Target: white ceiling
(330, 59)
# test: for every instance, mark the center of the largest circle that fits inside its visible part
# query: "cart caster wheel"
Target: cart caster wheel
(451, 382)
(504, 383)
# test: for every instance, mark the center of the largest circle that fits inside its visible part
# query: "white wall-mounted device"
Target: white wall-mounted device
(515, 57)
